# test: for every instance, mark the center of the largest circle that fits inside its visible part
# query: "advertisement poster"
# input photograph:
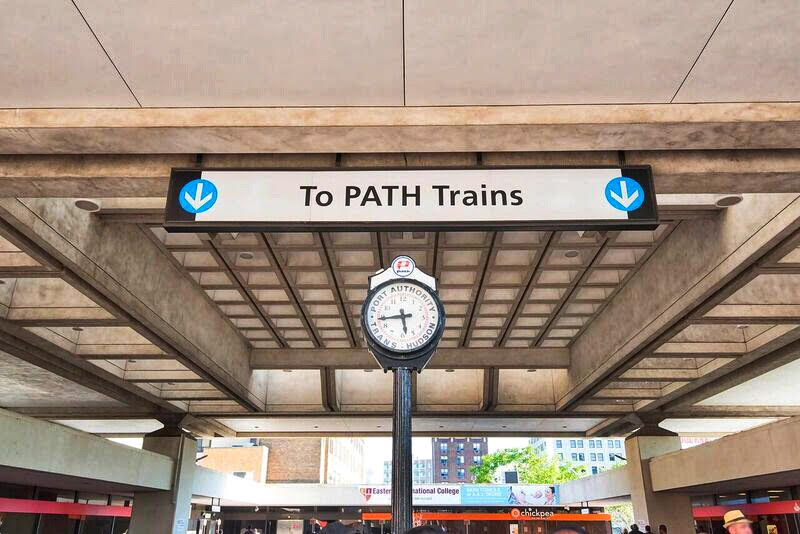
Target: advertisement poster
(468, 495)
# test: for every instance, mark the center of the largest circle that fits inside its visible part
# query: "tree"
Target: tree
(533, 467)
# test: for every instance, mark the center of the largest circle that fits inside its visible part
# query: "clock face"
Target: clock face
(402, 316)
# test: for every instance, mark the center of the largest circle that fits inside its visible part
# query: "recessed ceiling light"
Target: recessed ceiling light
(572, 254)
(77, 329)
(246, 255)
(368, 370)
(287, 370)
(563, 426)
(256, 426)
(531, 370)
(316, 426)
(441, 426)
(87, 204)
(728, 200)
(505, 426)
(449, 370)
(131, 361)
(741, 326)
(377, 426)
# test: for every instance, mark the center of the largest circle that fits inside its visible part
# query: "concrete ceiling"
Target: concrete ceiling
(774, 388)
(27, 385)
(92, 53)
(714, 426)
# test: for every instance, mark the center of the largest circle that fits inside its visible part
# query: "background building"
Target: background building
(422, 474)
(596, 454)
(282, 460)
(453, 458)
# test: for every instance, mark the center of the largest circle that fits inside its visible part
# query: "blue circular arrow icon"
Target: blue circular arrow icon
(624, 194)
(198, 196)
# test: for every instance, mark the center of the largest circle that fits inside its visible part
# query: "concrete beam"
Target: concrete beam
(610, 484)
(533, 358)
(401, 129)
(147, 176)
(730, 458)
(647, 312)
(47, 450)
(122, 268)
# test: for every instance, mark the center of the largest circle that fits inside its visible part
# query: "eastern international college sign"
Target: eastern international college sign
(468, 495)
(357, 199)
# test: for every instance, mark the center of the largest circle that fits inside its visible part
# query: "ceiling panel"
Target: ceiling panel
(49, 58)
(473, 52)
(269, 53)
(752, 56)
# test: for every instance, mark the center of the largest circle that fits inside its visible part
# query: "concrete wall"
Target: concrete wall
(765, 450)
(606, 485)
(42, 446)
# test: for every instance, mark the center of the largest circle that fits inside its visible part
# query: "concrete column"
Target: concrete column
(167, 512)
(651, 508)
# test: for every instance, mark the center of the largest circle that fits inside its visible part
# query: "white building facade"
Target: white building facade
(597, 454)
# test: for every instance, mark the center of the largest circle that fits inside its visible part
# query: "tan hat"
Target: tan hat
(733, 517)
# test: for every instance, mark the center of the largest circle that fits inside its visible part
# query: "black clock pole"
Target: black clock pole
(402, 495)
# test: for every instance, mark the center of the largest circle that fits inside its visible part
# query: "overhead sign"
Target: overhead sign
(427, 198)
(468, 495)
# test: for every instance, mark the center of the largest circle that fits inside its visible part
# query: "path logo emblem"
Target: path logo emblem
(624, 194)
(198, 196)
(403, 266)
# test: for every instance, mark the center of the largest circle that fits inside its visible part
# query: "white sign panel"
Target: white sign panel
(506, 197)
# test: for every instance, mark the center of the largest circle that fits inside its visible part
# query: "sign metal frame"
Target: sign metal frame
(179, 220)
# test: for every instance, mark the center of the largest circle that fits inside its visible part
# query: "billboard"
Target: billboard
(467, 495)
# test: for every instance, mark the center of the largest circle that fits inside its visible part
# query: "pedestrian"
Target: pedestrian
(425, 529)
(648, 530)
(249, 530)
(625, 530)
(737, 523)
(662, 529)
(635, 528)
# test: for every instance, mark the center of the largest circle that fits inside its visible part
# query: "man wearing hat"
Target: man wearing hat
(737, 523)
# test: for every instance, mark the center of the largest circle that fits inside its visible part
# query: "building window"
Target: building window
(558, 444)
(477, 460)
(476, 448)
(572, 443)
(593, 457)
(574, 456)
(600, 457)
(581, 457)
(460, 447)
(610, 443)
(460, 460)
(617, 444)
(443, 447)
(560, 456)
(599, 443)
(443, 473)
(580, 443)
(443, 460)
(594, 469)
(591, 444)
(461, 473)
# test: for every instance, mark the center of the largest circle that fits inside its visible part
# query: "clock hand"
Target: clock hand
(384, 317)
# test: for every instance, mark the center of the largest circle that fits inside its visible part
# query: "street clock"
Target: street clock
(402, 317)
